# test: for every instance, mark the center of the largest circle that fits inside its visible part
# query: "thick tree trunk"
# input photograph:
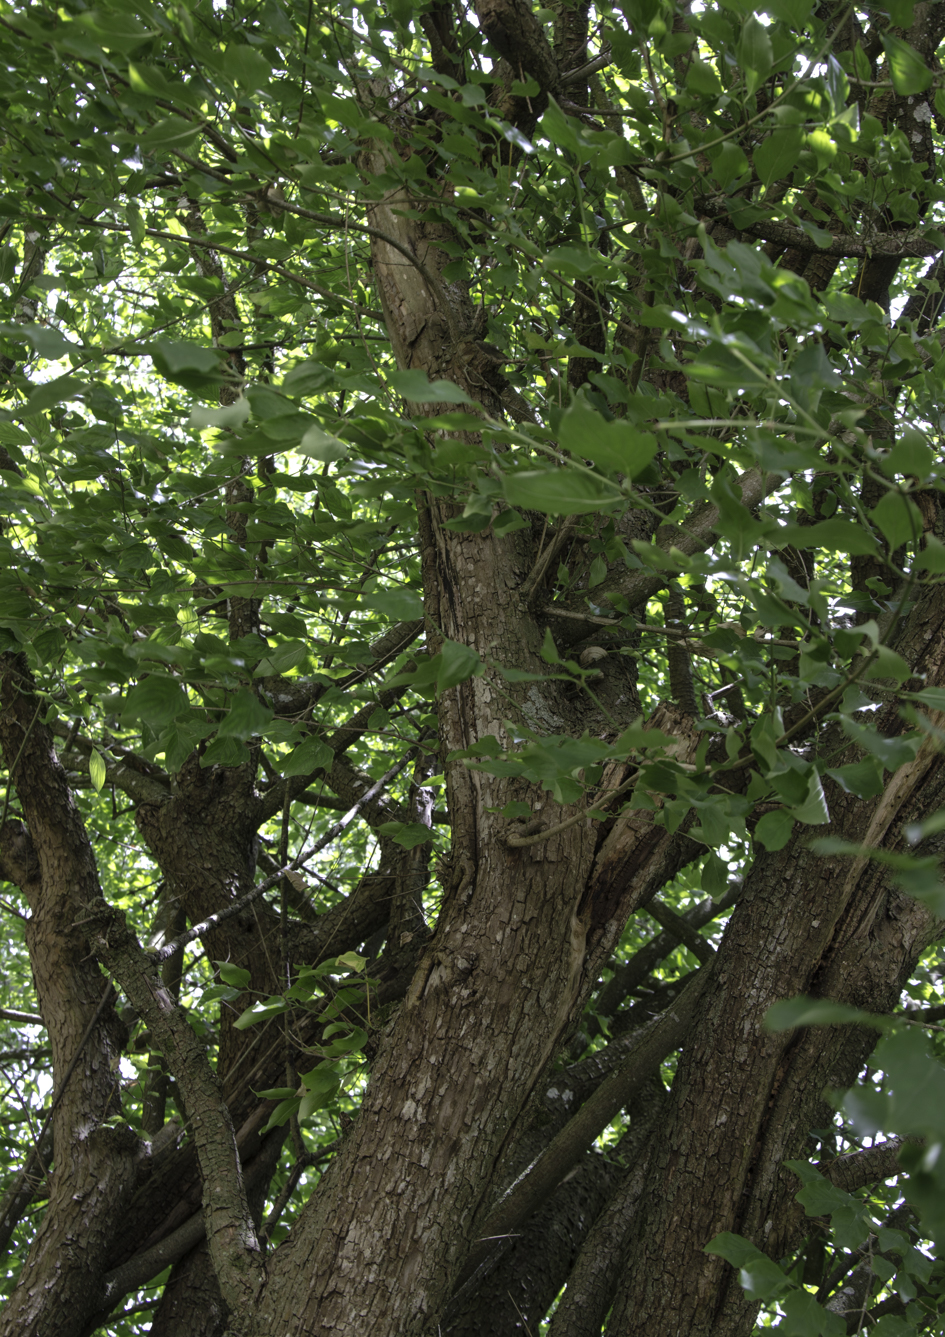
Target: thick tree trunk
(743, 1099)
(95, 1164)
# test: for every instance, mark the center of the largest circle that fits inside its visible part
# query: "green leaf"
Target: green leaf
(224, 752)
(247, 67)
(774, 829)
(907, 69)
(173, 134)
(794, 13)
(456, 664)
(135, 223)
(831, 535)
(157, 700)
(815, 1012)
(930, 826)
(320, 445)
(191, 365)
(96, 770)
(352, 961)
(755, 53)
(234, 975)
(932, 556)
(311, 755)
(913, 1103)
(246, 717)
(285, 657)
(558, 491)
(417, 387)
(351, 1042)
(702, 79)
(813, 808)
(549, 651)
(616, 447)
(406, 834)
(819, 1197)
(728, 164)
(561, 129)
(804, 1317)
(261, 1011)
(898, 519)
(322, 1081)
(231, 415)
(51, 394)
(862, 778)
(281, 1114)
(734, 1249)
(892, 752)
(911, 455)
(764, 1279)
(887, 664)
(776, 157)
(397, 605)
(760, 1275)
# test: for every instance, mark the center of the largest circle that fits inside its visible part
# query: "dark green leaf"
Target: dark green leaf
(157, 700)
(774, 829)
(419, 389)
(311, 755)
(616, 447)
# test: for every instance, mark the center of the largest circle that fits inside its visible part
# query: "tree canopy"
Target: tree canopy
(472, 668)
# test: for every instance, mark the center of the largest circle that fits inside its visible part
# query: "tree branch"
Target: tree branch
(231, 1234)
(695, 535)
(868, 1166)
(913, 244)
(654, 1043)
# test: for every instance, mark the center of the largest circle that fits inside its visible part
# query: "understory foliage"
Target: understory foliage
(472, 668)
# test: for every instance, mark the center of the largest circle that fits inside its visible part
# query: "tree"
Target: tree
(472, 492)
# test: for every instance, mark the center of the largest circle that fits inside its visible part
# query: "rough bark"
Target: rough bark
(744, 1099)
(49, 856)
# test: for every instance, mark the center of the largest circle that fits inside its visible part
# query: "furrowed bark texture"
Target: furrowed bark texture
(50, 858)
(743, 1099)
(530, 915)
(505, 973)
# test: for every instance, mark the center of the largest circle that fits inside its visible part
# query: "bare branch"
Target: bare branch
(655, 1042)
(231, 1234)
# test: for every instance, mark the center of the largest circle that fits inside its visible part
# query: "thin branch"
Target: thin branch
(681, 930)
(25, 1018)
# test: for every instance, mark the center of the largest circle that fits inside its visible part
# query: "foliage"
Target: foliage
(704, 380)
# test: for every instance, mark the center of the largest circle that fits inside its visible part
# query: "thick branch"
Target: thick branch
(234, 1248)
(869, 1166)
(916, 244)
(658, 1040)
(697, 534)
(516, 33)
